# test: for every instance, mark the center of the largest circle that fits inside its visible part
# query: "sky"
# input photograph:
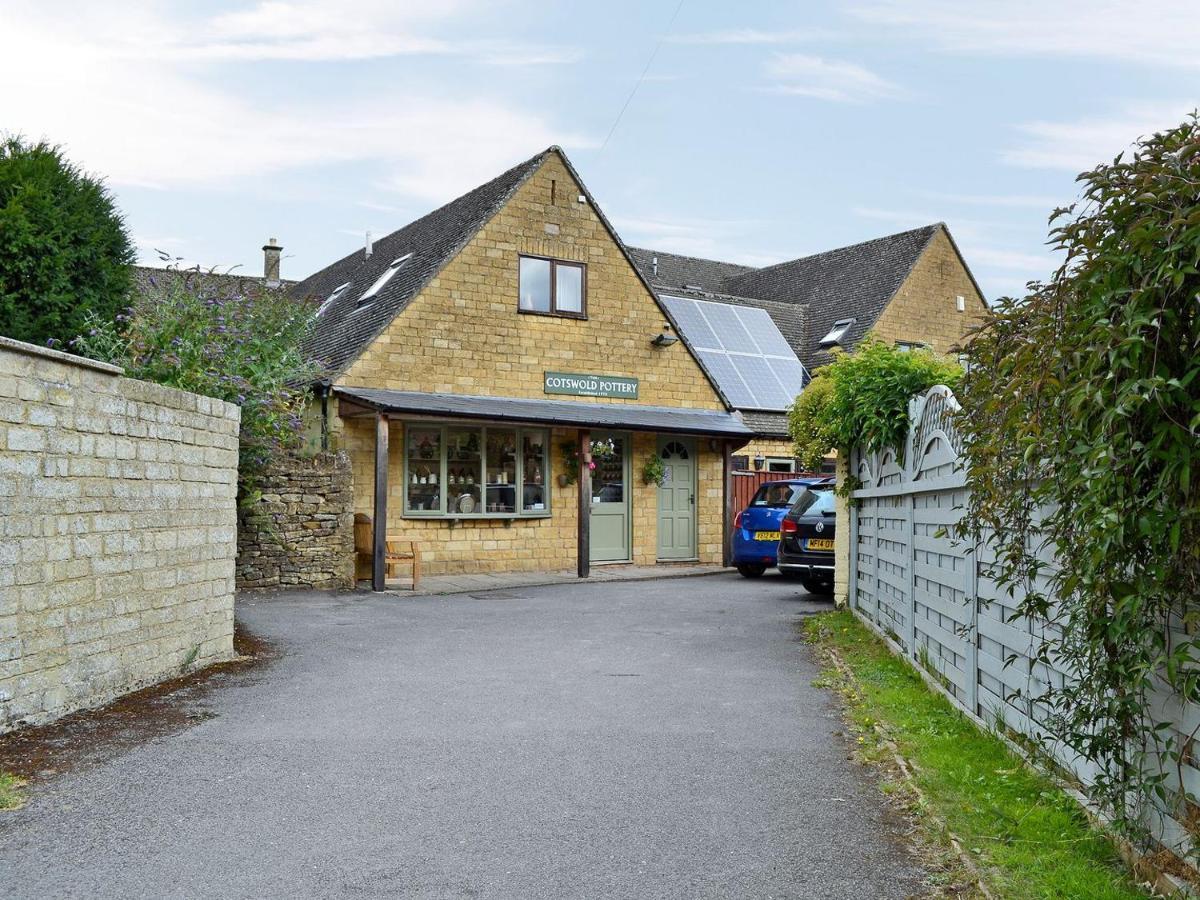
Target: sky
(749, 132)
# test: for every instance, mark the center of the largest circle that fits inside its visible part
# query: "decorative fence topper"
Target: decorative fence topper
(931, 597)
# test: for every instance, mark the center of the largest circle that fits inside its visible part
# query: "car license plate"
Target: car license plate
(766, 536)
(819, 544)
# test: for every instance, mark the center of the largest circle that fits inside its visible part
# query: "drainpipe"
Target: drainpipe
(323, 389)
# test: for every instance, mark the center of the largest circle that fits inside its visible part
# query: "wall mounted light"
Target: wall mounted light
(666, 339)
(759, 462)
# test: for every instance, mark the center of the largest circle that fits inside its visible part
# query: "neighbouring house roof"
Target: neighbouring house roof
(550, 412)
(849, 282)
(146, 278)
(685, 272)
(344, 331)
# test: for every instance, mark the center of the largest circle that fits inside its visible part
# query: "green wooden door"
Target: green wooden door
(677, 499)
(610, 539)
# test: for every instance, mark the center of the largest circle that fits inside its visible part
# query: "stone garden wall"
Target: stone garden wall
(117, 532)
(301, 532)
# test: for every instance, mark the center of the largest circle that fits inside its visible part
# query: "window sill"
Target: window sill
(475, 517)
(553, 315)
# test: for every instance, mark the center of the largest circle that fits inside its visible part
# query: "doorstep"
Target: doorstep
(436, 585)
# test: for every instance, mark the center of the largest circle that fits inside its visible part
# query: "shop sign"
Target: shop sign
(591, 385)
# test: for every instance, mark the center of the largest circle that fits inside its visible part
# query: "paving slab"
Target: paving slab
(641, 739)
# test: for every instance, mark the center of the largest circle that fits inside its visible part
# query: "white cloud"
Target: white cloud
(833, 80)
(1084, 143)
(157, 120)
(1151, 32)
(704, 238)
(750, 36)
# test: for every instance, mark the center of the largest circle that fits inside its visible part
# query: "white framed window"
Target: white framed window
(909, 346)
(781, 464)
(395, 266)
(837, 333)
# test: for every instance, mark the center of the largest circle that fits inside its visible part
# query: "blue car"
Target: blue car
(756, 528)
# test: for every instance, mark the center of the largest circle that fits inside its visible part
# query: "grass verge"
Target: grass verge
(1026, 836)
(10, 791)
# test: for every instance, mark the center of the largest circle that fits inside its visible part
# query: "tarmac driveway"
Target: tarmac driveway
(635, 739)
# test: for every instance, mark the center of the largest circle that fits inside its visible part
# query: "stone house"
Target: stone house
(478, 354)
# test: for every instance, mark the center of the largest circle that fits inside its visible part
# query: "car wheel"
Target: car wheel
(750, 571)
(813, 586)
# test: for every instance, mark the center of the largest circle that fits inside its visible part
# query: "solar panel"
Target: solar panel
(725, 322)
(720, 366)
(766, 335)
(693, 324)
(742, 350)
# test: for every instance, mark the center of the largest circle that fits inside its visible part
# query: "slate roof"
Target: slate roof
(552, 412)
(767, 424)
(147, 278)
(343, 331)
(678, 272)
(849, 282)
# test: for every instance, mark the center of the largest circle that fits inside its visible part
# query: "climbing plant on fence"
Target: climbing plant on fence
(861, 400)
(1082, 399)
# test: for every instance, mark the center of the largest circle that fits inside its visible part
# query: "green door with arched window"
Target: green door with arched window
(677, 499)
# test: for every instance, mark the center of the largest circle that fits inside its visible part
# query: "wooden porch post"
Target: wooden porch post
(728, 512)
(584, 549)
(379, 539)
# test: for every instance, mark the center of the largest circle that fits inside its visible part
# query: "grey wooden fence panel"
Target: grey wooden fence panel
(935, 598)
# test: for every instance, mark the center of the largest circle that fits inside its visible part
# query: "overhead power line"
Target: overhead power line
(642, 77)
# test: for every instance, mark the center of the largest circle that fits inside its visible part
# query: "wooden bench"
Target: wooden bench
(399, 551)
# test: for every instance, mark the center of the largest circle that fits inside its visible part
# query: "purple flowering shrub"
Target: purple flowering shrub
(238, 341)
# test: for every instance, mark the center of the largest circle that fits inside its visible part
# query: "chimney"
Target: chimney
(654, 262)
(271, 253)
(369, 246)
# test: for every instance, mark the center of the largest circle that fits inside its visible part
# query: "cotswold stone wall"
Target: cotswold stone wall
(117, 532)
(301, 531)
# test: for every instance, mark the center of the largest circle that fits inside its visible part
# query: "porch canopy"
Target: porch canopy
(563, 413)
(380, 405)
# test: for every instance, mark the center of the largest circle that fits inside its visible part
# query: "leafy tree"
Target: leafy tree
(64, 250)
(808, 424)
(861, 399)
(1081, 413)
(223, 337)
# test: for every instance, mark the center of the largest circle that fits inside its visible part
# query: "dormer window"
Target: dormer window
(333, 298)
(837, 333)
(382, 280)
(552, 287)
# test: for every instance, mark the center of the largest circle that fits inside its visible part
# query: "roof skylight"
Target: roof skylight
(332, 298)
(396, 266)
(837, 333)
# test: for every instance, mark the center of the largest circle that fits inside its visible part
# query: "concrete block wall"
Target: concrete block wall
(117, 532)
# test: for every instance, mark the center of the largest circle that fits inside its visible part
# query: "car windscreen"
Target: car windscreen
(779, 495)
(813, 503)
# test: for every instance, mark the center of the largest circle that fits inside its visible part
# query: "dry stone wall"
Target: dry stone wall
(117, 532)
(300, 533)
